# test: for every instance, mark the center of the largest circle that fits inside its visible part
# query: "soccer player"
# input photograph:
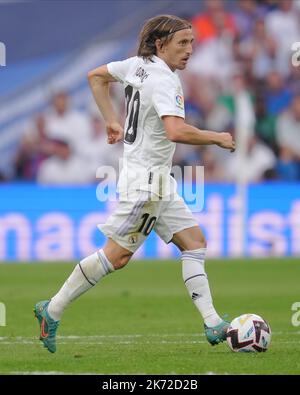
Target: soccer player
(155, 122)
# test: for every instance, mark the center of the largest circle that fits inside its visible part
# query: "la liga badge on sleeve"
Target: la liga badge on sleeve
(179, 101)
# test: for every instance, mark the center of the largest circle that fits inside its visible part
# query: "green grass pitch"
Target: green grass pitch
(140, 319)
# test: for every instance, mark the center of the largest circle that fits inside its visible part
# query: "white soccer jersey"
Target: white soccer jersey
(151, 91)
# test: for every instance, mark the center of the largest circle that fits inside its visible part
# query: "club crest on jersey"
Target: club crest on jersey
(141, 73)
(179, 101)
(133, 239)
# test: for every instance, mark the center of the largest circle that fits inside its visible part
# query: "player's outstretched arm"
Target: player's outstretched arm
(99, 80)
(180, 132)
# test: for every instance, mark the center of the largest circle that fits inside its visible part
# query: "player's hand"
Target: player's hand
(226, 141)
(115, 132)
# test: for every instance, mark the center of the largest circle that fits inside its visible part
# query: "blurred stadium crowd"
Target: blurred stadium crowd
(240, 73)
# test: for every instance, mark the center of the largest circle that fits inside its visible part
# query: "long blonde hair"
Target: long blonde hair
(160, 27)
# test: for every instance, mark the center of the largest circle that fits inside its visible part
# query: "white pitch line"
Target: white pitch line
(133, 339)
(103, 342)
(130, 336)
(34, 373)
(74, 337)
(47, 373)
(125, 342)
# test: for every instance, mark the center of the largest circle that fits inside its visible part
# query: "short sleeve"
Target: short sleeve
(168, 98)
(119, 69)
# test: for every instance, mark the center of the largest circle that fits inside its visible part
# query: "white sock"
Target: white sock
(195, 279)
(85, 275)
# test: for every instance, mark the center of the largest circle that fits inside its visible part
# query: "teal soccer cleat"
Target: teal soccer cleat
(48, 326)
(216, 334)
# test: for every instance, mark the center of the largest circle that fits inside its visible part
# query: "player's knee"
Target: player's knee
(195, 243)
(121, 261)
(117, 255)
(202, 242)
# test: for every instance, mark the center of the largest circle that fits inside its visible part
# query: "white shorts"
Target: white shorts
(133, 221)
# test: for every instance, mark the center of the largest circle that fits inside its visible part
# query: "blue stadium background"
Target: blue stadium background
(43, 223)
(53, 44)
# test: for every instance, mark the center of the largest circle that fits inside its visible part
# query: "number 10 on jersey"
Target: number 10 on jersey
(132, 98)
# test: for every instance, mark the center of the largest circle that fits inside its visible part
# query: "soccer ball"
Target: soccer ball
(249, 333)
